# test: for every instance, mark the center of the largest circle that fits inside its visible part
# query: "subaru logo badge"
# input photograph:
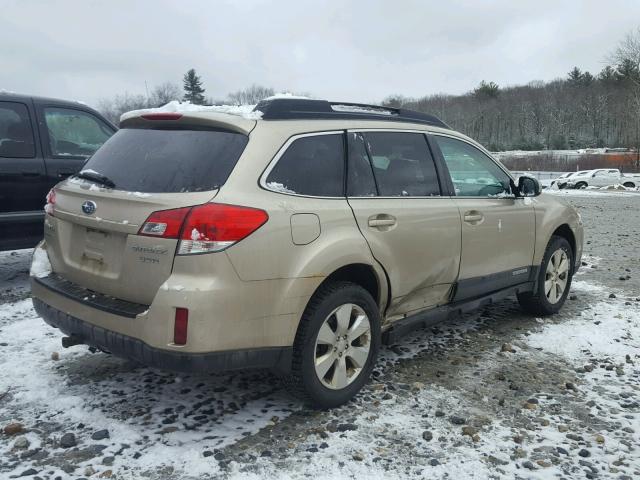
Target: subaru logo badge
(89, 207)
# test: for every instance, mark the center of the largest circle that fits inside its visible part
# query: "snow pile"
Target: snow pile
(40, 266)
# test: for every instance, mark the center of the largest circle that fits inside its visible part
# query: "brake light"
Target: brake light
(162, 116)
(165, 223)
(180, 326)
(211, 227)
(51, 201)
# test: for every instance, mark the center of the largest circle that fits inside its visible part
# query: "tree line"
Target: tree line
(192, 91)
(582, 110)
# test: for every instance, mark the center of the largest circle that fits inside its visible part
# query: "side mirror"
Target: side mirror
(529, 187)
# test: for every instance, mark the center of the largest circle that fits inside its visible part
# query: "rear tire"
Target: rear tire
(581, 185)
(629, 185)
(554, 280)
(336, 345)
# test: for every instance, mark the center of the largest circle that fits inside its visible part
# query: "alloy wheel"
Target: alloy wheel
(342, 346)
(557, 275)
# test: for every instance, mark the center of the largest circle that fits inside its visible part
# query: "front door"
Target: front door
(498, 229)
(412, 231)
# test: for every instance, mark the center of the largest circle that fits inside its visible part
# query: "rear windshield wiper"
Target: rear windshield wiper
(96, 177)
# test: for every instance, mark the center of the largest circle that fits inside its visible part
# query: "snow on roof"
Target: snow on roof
(288, 95)
(245, 111)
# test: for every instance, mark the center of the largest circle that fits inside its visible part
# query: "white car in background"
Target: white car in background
(603, 177)
(562, 180)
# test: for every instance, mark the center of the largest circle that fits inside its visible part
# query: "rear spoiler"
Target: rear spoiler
(150, 119)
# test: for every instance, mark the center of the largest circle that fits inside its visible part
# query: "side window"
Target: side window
(16, 134)
(74, 133)
(473, 173)
(402, 164)
(311, 166)
(360, 181)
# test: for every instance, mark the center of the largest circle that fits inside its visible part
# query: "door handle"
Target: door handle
(65, 173)
(382, 221)
(473, 217)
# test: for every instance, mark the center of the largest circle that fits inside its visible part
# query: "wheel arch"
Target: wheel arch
(565, 232)
(361, 274)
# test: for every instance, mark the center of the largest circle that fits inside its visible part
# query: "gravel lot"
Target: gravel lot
(495, 394)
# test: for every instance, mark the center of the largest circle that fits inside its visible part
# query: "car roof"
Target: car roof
(304, 115)
(18, 97)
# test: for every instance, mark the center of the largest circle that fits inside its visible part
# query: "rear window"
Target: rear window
(167, 161)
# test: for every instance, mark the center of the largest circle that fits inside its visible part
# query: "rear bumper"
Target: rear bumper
(275, 358)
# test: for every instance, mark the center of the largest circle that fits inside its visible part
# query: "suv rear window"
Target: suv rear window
(168, 161)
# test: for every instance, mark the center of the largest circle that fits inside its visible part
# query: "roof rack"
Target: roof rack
(295, 108)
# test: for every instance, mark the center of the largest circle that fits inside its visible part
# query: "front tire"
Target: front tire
(554, 279)
(336, 345)
(629, 185)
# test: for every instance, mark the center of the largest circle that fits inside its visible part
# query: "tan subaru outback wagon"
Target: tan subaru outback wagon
(298, 240)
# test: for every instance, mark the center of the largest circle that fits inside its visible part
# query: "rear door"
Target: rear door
(92, 236)
(411, 228)
(498, 230)
(23, 185)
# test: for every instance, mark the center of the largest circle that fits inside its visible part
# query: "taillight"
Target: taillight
(180, 326)
(165, 223)
(211, 227)
(51, 201)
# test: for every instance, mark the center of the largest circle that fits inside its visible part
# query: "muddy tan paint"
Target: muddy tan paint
(254, 293)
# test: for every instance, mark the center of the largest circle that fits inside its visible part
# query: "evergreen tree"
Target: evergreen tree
(486, 90)
(607, 75)
(575, 76)
(627, 70)
(587, 79)
(193, 91)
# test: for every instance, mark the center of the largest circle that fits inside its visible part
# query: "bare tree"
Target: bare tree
(165, 93)
(250, 95)
(627, 50)
(114, 108)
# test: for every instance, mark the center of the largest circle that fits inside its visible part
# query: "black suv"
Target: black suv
(42, 140)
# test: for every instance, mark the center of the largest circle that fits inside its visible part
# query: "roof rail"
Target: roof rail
(296, 108)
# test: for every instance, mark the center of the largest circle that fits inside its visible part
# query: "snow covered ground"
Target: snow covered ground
(613, 191)
(496, 394)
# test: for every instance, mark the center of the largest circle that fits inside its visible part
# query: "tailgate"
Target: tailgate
(101, 250)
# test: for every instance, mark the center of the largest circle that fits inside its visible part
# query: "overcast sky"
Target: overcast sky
(339, 50)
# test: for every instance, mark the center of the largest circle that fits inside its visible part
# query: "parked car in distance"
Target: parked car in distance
(562, 180)
(297, 241)
(602, 177)
(42, 141)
